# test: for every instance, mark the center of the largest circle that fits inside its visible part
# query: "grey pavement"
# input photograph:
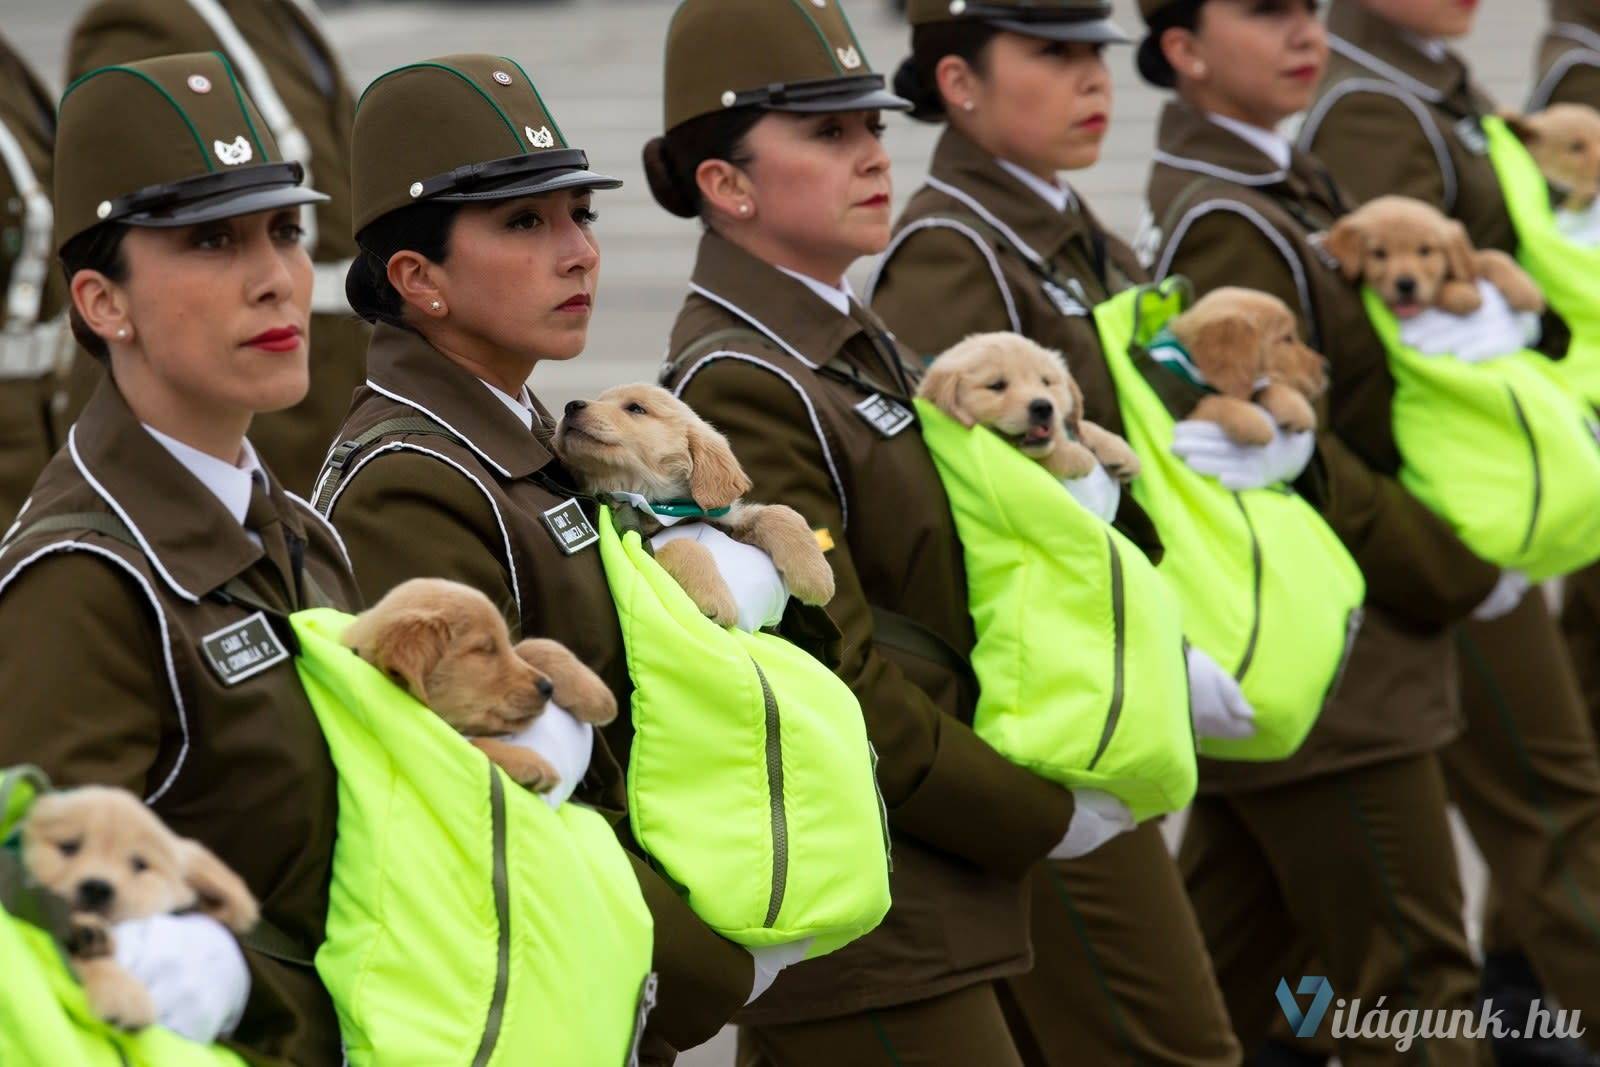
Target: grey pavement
(598, 65)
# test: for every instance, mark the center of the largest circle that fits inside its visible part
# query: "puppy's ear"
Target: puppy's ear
(715, 479)
(941, 387)
(219, 892)
(1227, 349)
(1074, 419)
(409, 645)
(1518, 124)
(1459, 255)
(1346, 244)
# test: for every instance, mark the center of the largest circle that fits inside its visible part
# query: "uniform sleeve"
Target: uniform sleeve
(125, 31)
(939, 781)
(1374, 145)
(406, 515)
(1416, 568)
(939, 268)
(1580, 85)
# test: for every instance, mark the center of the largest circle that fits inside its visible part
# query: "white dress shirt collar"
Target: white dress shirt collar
(838, 296)
(519, 405)
(1269, 143)
(1055, 194)
(229, 483)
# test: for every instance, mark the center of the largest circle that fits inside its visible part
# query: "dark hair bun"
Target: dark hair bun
(665, 184)
(1153, 65)
(909, 82)
(366, 287)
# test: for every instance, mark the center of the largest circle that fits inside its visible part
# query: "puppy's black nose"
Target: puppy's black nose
(575, 406)
(546, 687)
(94, 894)
(1405, 285)
(1040, 411)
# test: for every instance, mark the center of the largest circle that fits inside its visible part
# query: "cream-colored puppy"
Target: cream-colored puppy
(1564, 139)
(111, 859)
(1023, 392)
(642, 439)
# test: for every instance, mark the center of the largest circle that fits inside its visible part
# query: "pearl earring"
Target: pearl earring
(122, 333)
(968, 105)
(1199, 69)
(436, 306)
(744, 209)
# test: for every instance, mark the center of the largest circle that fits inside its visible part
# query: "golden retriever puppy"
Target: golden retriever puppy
(1416, 257)
(1024, 392)
(1246, 345)
(111, 859)
(1564, 139)
(447, 645)
(642, 439)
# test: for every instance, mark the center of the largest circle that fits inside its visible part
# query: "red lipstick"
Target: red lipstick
(283, 339)
(580, 302)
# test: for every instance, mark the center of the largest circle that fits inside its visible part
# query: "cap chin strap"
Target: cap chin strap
(780, 93)
(467, 177)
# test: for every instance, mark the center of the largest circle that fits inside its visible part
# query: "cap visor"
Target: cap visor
(869, 100)
(227, 206)
(533, 184)
(1087, 31)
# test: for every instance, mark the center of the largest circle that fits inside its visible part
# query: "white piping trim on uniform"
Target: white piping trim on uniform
(1574, 31)
(1362, 57)
(25, 293)
(986, 215)
(1430, 129)
(1260, 222)
(396, 397)
(407, 446)
(1540, 97)
(1238, 177)
(292, 142)
(326, 524)
(100, 491)
(161, 622)
(752, 320)
(816, 423)
(970, 234)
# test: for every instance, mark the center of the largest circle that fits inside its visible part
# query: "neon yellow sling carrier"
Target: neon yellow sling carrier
(1079, 654)
(1266, 587)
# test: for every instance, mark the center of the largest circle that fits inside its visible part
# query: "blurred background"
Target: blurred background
(598, 67)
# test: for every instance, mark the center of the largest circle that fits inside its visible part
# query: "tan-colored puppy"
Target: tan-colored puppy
(642, 439)
(447, 645)
(111, 859)
(1023, 392)
(1564, 139)
(1416, 257)
(1247, 346)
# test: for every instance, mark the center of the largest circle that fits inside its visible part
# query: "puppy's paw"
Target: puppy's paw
(694, 568)
(1244, 423)
(1503, 272)
(114, 995)
(1069, 459)
(525, 766)
(1459, 298)
(577, 688)
(1114, 454)
(1288, 407)
(782, 533)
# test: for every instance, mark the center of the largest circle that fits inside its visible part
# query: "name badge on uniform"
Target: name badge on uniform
(1469, 131)
(1074, 304)
(886, 416)
(570, 527)
(243, 650)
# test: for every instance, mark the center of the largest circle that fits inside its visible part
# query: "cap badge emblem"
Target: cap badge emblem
(233, 154)
(849, 58)
(502, 77)
(540, 138)
(199, 83)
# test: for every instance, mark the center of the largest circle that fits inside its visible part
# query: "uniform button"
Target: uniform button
(957, 6)
(199, 83)
(104, 209)
(416, 190)
(502, 77)
(729, 97)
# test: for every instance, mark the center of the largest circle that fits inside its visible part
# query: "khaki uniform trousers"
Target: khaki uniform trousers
(1121, 974)
(1351, 875)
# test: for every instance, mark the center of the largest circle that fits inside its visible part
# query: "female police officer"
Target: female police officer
(777, 152)
(478, 262)
(1024, 92)
(1526, 774)
(155, 535)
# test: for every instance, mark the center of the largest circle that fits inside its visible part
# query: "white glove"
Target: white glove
(1207, 450)
(757, 586)
(1097, 491)
(1219, 707)
(567, 743)
(1493, 330)
(1096, 819)
(771, 961)
(1580, 227)
(1504, 598)
(193, 968)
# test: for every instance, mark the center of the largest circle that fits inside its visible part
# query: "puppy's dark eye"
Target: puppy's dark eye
(1425, 250)
(1575, 146)
(138, 864)
(635, 408)
(1380, 254)
(1049, 382)
(485, 649)
(70, 848)
(998, 385)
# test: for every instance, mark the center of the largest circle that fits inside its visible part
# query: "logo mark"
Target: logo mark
(849, 58)
(1305, 1025)
(540, 138)
(233, 154)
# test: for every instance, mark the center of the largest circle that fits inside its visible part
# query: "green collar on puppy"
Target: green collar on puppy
(686, 509)
(1170, 355)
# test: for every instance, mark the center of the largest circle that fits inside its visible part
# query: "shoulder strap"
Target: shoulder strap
(702, 346)
(338, 462)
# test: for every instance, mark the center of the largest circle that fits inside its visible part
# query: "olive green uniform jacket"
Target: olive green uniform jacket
(302, 70)
(801, 392)
(30, 424)
(469, 505)
(1568, 69)
(107, 681)
(1228, 215)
